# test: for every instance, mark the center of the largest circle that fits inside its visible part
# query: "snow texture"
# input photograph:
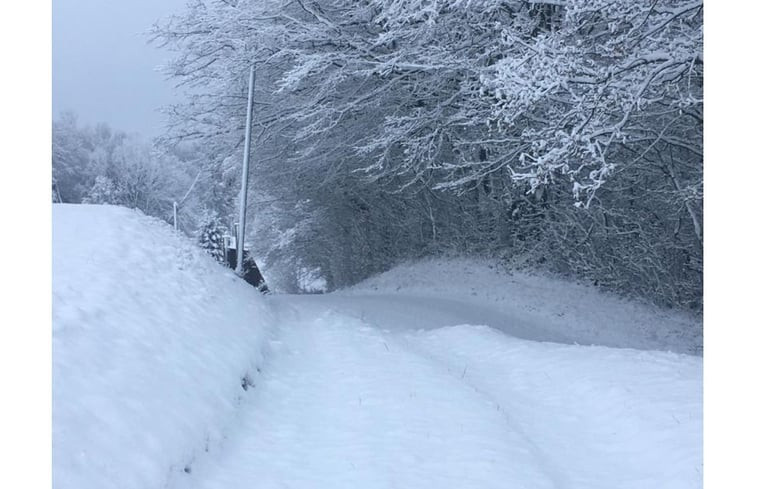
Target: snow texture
(159, 379)
(536, 306)
(345, 404)
(151, 341)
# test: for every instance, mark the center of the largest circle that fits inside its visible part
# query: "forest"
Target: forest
(558, 135)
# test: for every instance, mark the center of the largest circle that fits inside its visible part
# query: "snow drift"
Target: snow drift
(537, 306)
(151, 342)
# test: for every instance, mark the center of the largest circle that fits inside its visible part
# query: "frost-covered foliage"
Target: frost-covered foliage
(211, 236)
(101, 166)
(565, 135)
(594, 77)
(104, 191)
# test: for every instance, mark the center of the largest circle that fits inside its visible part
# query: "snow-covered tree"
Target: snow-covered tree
(599, 77)
(101, 166)
(211, 236)
(70, 159)
(104, 191)
(542, 132)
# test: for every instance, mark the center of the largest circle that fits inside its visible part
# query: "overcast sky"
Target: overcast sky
(103, 68)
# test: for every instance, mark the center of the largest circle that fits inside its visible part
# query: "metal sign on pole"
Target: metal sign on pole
(245, 172)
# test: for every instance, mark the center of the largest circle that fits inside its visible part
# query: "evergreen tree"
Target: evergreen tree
(211, 237)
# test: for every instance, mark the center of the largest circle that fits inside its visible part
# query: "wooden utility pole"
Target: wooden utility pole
(245, 172)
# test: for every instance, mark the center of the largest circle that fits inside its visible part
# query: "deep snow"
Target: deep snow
(408, 380)
(151, 339)
(535, 306)
(345, 404)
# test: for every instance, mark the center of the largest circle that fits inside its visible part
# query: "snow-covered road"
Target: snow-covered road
(406, 381)
(352, 400)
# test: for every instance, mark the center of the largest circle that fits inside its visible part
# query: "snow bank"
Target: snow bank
(596, 417)
(572, 312)
(151, 341)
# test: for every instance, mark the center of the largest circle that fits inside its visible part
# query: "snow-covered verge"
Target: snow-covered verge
(346, 404)
(561, 310)
(151, 342)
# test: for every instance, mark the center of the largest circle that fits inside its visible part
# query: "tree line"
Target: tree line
(101, 165)
(563, 135)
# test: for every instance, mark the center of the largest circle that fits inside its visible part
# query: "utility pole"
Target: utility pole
(245, 173)
(175, 215)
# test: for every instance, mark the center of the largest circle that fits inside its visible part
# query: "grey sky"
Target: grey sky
(103, 68)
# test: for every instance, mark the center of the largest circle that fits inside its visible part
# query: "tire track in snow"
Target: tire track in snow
(603, 417)
(343, 405)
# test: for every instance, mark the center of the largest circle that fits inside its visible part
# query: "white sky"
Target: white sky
(103, 68)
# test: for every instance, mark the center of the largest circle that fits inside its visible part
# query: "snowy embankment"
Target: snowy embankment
(151, 343)
(530, 306)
